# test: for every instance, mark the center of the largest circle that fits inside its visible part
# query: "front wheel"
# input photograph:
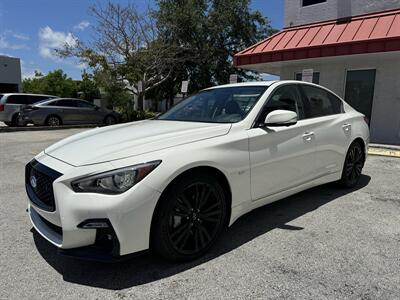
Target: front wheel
(14, 121)
(353, 165)
(189, 218)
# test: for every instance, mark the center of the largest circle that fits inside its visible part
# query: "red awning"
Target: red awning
(378, 32)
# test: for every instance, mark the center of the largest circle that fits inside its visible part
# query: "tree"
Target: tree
(127, 49)
(87, 88)
(211, 31)
(55, 83)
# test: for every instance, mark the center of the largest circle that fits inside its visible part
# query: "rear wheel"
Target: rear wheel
(189, 218)
(53, 121)
(353, 165)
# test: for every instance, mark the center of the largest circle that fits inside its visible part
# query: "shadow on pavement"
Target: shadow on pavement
(149, 268)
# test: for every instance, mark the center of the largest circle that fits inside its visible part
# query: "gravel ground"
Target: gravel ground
(325, 243)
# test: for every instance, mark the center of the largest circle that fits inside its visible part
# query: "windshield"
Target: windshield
(220, 105)
(44, 101)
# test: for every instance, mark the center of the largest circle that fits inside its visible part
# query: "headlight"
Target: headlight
(116, 181)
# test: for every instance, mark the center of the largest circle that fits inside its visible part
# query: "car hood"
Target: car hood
(131, 139)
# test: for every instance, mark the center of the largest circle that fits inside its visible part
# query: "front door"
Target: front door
(281, 157)
(88, 113)
(360, 90)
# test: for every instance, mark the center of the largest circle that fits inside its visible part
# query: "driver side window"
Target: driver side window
(287, 98)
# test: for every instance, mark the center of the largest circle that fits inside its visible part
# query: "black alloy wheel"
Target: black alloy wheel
(53, 121)
(353, 165)
(14, 120)
(110, 120)
(193, 214)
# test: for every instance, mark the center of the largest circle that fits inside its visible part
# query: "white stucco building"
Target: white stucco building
(353, 48)
(10, 74)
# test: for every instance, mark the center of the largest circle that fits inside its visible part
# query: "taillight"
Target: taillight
(1, 107)
(366, 120)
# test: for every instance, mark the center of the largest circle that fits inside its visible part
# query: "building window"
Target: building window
(312, 2)
(315, 77)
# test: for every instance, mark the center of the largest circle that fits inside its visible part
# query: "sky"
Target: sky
(31, 29)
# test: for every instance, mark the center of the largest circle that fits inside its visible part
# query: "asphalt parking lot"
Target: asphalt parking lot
(325, 243)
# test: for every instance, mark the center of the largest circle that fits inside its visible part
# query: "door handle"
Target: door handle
(346, 127)
(307, 136)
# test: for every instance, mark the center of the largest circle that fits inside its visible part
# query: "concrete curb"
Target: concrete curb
(384, 151)
(385, 146)
(41, 128)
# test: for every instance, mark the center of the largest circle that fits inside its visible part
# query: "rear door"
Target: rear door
(281, 157)
(13, 105)
(330, 127)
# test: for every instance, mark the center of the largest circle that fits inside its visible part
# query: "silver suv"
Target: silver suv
(10, 105)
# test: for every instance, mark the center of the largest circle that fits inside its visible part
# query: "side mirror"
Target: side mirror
(281, 117)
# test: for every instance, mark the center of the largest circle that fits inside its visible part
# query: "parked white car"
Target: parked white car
(173, 183)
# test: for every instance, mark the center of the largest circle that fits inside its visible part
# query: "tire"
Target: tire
(110, 120)
(14, 121)
(53, 121)
(189, 218)
(353, 165)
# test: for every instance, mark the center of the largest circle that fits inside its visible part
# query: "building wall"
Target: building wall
(10, 72)
(296, 14)
(385, 117)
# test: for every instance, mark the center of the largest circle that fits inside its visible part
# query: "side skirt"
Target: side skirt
(248, 206)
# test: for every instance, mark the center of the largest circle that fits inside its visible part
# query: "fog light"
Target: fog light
(93, 224)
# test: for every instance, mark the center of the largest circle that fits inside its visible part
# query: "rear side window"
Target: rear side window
(25, 99)
(66, 103)
(320, 102)
(18, 99)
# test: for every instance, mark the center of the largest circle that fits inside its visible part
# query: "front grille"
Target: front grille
(39, 184)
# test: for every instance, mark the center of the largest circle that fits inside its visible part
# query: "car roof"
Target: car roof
(27, 94)
(240, 84)
(45, 101)
(267, 84)
(67, 99)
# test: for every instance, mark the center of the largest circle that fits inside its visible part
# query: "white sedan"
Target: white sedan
(172, 184)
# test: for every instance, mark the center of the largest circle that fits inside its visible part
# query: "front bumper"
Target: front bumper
(129, 215)
(23, 120)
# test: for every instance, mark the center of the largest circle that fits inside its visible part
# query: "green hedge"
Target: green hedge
(138, 115)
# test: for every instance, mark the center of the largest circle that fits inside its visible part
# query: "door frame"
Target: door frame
(374, 87)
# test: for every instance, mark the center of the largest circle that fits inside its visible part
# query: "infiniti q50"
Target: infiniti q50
(173, 183)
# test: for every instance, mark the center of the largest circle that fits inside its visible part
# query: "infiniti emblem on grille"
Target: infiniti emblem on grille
(33, 181)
